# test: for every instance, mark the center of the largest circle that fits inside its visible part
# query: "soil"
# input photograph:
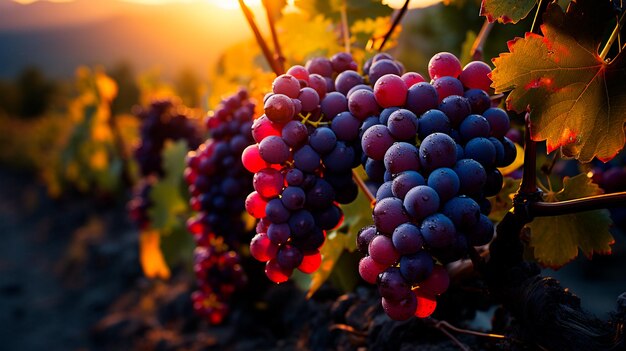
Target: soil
(70, 280)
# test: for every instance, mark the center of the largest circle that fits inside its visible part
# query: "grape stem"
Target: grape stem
(120, 146)
(394, 24)
(537, 21)
(279, 59)
(445, 325)
(612, 38)
(259, 38)
(364, 188)
(442, 327)
(529, 177)
(545, 209)
(477, 48)
(345, 30)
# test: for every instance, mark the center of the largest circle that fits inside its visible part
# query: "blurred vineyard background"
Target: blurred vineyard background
(72, 75)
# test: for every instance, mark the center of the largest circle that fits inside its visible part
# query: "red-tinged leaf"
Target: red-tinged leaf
(506, 11)
(578, 101)
(556, 240)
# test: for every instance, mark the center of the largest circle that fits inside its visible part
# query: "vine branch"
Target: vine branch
(363, 187)
(544, 209)
(279, 59)
(477, 48)
(259, 38)
(614, 35)
(394, 24)
(345, 29)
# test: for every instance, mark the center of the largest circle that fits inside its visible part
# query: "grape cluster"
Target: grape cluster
(307, 144)
(436, 147)
(163, 120)
(219, 274)
(218, 184)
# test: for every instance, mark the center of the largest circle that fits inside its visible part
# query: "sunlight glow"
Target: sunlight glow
(415, 4)
(224, 4)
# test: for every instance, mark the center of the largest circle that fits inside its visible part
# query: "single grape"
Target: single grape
(406, 238)
(421, 97)
(445, 182)
(404, 182)
(388, 214)
(437, 150)
(412, 78)
(362, 104)
(402, 157)
(463, 211)
(478, 99)
(444, 64)
(498, 121)
(293, 197)
(472, 176)
(273, 149)
(382, 67)
(416, 267)
(475, 75)
(375, 142)
(262, 248)
(323, 140)
(403, 125)
(370, 269)
(332, 104)
(433, 121)
(390, 90)
(346, 80)
(438, 231)
(306, 159)
(474, 126)
(421, 202)
(481, 150)
(280, 108)
(456, 108)
(286, 84)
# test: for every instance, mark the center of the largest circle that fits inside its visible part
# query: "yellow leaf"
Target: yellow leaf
(106, 87)
(150, 255)
(99, 160)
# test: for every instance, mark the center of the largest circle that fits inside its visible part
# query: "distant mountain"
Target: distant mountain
(58, 37)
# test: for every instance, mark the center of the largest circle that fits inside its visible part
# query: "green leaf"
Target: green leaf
(166, 195)
(577, 101)
(503, 202)
(357, 215)
(466, 47)
(556, 240)
(506, 11)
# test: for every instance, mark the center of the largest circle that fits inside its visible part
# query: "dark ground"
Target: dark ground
(70, 280)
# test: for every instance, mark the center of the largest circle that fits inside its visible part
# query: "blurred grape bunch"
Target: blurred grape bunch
(168, 130)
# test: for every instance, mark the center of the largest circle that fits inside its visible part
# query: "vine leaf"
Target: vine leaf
(503, 202)
(169, 202)
(506, 11)
(578, 101)
(356, 216)
(556, 240)
(150, 255)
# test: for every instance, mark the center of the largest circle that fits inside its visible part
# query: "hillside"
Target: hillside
(60, 36)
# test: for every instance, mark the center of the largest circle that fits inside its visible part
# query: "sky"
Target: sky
(59, 35)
